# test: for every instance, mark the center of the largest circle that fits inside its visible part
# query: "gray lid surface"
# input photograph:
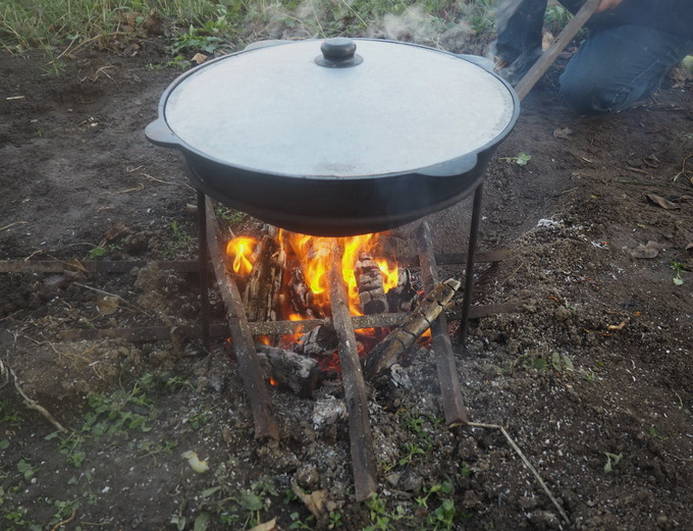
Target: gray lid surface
(274, 110)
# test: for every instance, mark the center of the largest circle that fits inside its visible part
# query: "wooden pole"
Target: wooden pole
(362, 458)
(453, 405)
(243, 343)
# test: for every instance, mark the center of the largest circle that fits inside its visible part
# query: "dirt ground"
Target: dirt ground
(593, 379)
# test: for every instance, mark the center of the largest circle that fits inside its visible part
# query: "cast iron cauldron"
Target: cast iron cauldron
(336, 137)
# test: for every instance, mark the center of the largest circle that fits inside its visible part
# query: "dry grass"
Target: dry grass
(26, 24)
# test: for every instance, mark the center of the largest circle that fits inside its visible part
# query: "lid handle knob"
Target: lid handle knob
(339, 52)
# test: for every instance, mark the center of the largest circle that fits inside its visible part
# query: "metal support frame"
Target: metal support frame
(203, 258)
(469, 273)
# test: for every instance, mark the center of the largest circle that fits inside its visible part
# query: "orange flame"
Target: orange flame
(390, 273)
(273, 382)
(314, 257)
(241, 249)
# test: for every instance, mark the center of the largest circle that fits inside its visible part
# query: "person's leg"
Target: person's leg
(519, 24)
(618, 66)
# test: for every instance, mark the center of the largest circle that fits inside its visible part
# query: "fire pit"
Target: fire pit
(318, 139)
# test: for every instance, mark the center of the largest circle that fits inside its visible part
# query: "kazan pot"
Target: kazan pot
(337, 137)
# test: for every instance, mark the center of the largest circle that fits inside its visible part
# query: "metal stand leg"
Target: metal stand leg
(469, 274)
(203, 257)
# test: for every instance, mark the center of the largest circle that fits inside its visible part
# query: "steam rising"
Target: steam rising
(325, 18)
(416, 25)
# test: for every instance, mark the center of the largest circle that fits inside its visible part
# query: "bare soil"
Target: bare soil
(593, 379)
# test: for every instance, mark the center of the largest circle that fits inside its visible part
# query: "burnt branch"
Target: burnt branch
(243, 344)
(369, 280)
(385, 353)
(453, 407)
(290, 369)
(361, 443)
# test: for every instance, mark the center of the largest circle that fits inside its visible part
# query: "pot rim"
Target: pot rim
(438, 169)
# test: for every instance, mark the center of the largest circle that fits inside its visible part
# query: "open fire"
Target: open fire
(312, 255)
(284, 276)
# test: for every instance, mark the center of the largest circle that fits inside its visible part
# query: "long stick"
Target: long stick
(526, 462)
(362, 458)
(453, 405)
(7, 373)
(243, 344)
(526, 84)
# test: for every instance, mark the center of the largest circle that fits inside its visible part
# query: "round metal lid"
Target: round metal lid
(294, 110)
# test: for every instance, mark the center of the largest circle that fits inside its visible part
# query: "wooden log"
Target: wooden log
(290, 369)
(385, 353)
(300, 296)
(191, 266)
(448, 379)
(147, 334)
(369, 281)
(93, 266)
(319, 341)
(402, 298)
(361, 443)
(259, 295)
(243, 344)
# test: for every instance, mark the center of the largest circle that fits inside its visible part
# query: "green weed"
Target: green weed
(26, 469)
(521, 159)
(229, 215)
(381, 518)
(8, 416)
(678, 269)
(611, 461)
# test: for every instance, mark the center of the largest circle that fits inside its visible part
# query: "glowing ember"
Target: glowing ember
(241, 249)
(273, 382)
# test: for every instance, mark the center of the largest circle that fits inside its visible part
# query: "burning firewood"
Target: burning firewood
(300, 296)
(402, 298)
(319, 341)
(260, 293)
(369, 280)
(385, 353)
(290, 369)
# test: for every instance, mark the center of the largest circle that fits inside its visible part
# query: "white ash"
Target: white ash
(327, 411)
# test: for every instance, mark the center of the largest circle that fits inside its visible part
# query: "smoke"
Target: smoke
(415, 25)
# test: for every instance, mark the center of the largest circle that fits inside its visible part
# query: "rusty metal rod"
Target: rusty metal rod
(469, 273)
(203, 271)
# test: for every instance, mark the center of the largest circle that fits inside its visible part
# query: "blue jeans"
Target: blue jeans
(618, 66)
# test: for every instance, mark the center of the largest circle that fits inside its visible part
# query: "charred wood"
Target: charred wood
(290, 369)
(361, 442)
(147, 334)
(243, 344)
(369, 281)
(385, 353)
(319, 341)
(453, 407)
(261, 291)
(402, 298)
(300, 297)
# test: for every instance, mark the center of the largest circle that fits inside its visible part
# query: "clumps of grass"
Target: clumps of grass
(207, 26)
